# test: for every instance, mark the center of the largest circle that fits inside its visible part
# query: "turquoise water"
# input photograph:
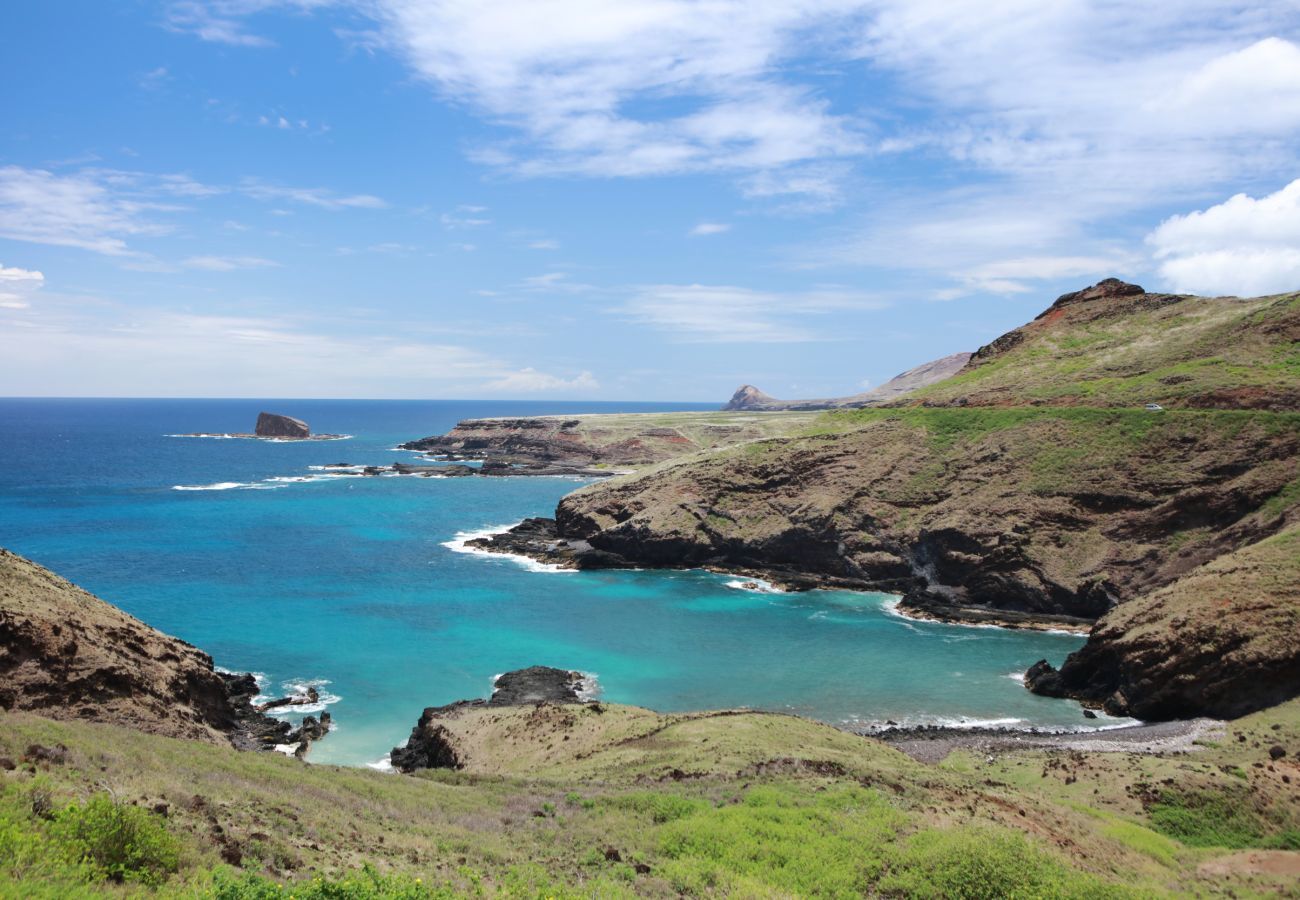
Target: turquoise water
(350, 583)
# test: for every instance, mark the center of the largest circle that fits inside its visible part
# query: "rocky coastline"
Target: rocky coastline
(66, 654)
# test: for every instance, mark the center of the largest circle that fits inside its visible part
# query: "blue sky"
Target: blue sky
(632, 199)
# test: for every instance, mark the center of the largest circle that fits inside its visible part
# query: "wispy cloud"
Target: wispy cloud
(554, 283)
(727, 314)
(69, 211)
(464, 216)
(1244, 246)
(706, 228)
(160, 352)
(227, 263)
(321, 198)
(531, 381)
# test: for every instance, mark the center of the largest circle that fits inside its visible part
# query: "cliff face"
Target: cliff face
(1059, 512)
(66, 654)
(1224, 641)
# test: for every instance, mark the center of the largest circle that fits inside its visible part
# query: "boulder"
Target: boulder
(275, 425)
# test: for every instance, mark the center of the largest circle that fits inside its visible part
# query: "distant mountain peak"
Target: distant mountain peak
(749, 397)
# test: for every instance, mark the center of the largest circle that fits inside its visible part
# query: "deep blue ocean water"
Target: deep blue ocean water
(347, 582)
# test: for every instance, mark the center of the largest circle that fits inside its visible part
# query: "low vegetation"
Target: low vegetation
(730, 805)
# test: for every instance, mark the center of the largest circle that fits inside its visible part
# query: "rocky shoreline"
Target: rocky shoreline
(931, 744)
(538, 539)
(488, 469)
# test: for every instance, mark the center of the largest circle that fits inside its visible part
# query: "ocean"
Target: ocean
(361, 586)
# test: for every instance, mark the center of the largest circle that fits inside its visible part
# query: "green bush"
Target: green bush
(121, 842)
(660, 807)
(984, 864)
(1207, 819)
(783, 840)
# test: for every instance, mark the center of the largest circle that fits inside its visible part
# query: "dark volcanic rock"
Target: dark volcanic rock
(275, 425)
(537, 684)
(1102, 290)
(431, 745)
(538, 539)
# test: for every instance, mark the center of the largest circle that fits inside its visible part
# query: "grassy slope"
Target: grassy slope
(1219, 352)
(747, 804)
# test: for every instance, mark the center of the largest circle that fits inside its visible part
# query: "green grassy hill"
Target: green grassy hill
(1110, 348)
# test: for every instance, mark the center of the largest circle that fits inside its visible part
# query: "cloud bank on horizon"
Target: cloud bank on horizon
(652, 199)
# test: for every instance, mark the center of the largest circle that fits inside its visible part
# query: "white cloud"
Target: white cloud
(16, 286)
(464, 216)
(68, 211)
(567, 76)
(1244, 246)
(706, 228)
(727, 314)
(1010, 276)
(223, 21)
(1256, 88)
(532, 381)
(322, 198)
(227, 263)
(554, 283)
(546, 244)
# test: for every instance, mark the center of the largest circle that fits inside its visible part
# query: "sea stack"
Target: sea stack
(278, 426)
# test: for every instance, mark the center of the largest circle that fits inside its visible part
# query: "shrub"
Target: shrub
(1207, 818)
(984, 864)
(121, 842)
(783, 840)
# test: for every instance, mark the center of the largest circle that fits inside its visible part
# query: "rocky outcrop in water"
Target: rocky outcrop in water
(274, 425)
(66, 654)
(434, 742)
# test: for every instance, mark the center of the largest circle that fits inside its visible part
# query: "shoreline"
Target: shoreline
(535, 539)
(932, 744)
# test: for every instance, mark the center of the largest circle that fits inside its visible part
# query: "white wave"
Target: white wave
(265, 440)
(384, 765)
(589, 687)
(286, 749)
(1016, 676)
(966, 723)
(219, 486)
(460, 544)
(298, 688)
(754, 585)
